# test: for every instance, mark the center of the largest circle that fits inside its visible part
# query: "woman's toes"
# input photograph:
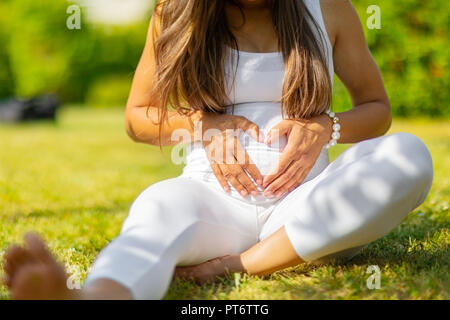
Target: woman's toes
(40, 281)
(11, 257)
(15, 258)
(38, 249)
(33, 273)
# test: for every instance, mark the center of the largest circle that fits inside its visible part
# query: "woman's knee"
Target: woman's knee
(411, 154)
(172, 202)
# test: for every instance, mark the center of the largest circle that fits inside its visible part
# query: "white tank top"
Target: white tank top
(257, 87)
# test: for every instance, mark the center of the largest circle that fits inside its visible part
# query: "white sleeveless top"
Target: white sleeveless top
(257, 87)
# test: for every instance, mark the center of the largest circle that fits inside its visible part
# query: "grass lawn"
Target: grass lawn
(73, 182)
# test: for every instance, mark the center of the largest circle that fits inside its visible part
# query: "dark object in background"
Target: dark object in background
(41, 107)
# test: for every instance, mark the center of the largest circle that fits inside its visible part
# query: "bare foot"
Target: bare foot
(210, 270)
(31, 272)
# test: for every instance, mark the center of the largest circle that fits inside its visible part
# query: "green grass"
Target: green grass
(73, 182)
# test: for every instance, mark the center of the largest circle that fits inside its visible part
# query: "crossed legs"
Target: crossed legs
(360, 197)
(357, 199)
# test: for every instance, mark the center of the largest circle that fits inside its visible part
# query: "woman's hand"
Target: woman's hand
(229, 160)
(306, 138)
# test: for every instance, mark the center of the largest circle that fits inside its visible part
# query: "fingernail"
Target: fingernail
(261, 137)
(259, 182)
(279, 194)
(254, 193)
(268, 194)
(244, 193)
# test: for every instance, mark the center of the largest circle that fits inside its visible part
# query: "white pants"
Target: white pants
(358, 198)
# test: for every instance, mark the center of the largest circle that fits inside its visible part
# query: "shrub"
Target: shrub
(39, 54)
(110, 91)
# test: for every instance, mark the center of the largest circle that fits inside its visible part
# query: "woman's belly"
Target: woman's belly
(265, 157)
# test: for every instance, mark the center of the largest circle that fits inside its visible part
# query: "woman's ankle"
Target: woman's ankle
(233, 263)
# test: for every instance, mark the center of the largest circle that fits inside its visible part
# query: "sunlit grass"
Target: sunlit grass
(73, 182)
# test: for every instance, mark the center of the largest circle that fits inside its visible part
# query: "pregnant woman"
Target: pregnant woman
(249, 85)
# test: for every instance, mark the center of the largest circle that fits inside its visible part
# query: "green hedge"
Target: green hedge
(39, 54)
(411, 49)
(42, 55)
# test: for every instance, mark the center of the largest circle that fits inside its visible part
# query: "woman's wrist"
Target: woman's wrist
(336, 127)
(195, 119)
(202, 121)
(322, 125)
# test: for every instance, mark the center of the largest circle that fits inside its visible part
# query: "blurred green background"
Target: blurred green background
(73, 181)
(94, 66)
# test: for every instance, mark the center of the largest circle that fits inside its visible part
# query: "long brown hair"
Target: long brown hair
(190, 52)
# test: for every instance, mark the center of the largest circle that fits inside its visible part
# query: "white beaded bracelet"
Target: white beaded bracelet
(336, 128)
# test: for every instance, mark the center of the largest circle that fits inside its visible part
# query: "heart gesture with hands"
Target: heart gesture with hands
(305, 140)
(231, 164)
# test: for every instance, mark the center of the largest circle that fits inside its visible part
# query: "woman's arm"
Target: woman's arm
(369, 117)
(354, 65)
(142, 125)
(141, 117)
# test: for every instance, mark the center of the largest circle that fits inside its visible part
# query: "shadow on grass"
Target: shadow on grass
(405, 255)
